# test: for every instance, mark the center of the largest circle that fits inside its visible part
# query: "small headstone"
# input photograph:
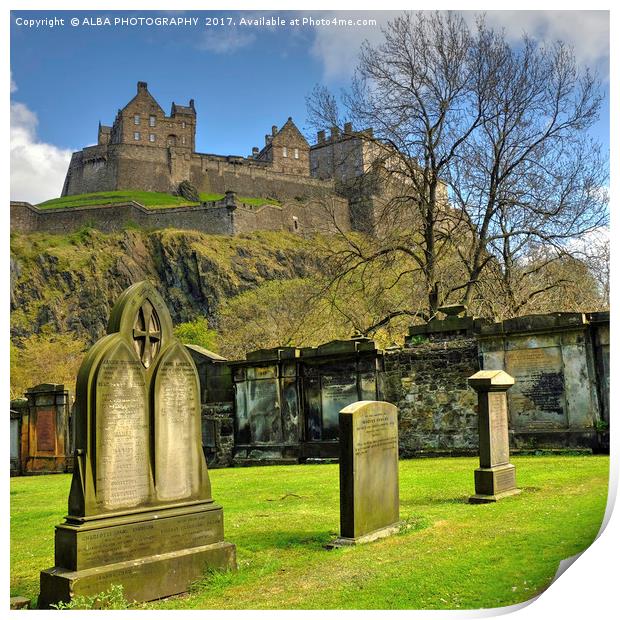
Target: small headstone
(140, 507)
(496, 477)
(369, 502)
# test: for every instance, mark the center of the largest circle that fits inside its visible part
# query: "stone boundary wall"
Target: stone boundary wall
(437, 411)
(210, 218)
(221, 218)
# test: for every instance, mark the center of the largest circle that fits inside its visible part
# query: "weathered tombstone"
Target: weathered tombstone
(47, 429)
(140, 507)
(496, 477)
(369, 502)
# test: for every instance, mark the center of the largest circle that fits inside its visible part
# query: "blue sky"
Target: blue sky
(243, 80)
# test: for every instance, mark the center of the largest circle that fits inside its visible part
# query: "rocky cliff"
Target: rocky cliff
(70, 282)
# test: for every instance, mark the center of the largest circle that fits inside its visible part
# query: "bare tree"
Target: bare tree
(528, 177)
(412, 90)
(481, 151)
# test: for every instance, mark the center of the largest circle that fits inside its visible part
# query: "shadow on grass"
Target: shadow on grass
(264, 539)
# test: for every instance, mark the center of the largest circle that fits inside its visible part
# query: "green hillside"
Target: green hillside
(150, 200)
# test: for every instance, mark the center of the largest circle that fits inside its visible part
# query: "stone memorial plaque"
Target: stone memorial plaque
(498, 429)
(369, 501)
(177, 423)
(336, 393)
(122, 456)
(263, 404)
(538, 394)
(14, 440)
(140, 507)
(46, 430)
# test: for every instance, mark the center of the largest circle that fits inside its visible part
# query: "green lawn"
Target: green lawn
(147, 199)
(453, 555)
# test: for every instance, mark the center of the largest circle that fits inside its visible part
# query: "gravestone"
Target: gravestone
(47, 429)
(140, 507)
(369, 502)
(496, 477)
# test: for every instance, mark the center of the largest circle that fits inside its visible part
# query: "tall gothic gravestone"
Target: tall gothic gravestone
(140, 506)
(369, 501)
(496, 476)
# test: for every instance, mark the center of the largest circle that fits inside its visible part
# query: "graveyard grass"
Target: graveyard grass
(449, 554)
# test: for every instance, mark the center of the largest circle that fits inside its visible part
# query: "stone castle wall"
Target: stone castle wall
(128, 166)
(219, 218)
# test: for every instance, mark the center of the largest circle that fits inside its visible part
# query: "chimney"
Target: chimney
(274, 130)
(348, 128)
(255, 151)
(320, 136)
(141, 86)
(334, 132)
(191, 104)
(267, 139)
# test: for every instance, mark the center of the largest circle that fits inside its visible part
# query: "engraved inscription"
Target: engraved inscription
(505, 480)
(139, 540)
(122, 469)
(538, 394)
(46, 430)
(498, 423)
(375, 432)
(177, 427)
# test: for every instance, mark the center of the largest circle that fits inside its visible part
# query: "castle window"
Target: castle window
(136, 120)
(151, 121)
(284, 152)
(183, 139)
(136, 135)
(296, 153)
(183, 124)
(295, 223)
(151, 137)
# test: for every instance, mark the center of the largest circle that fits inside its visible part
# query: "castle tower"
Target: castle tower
(143, 149)
(287, 150)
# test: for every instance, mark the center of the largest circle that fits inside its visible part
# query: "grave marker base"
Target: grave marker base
(384, 532)
(494, 483)
(153, 554)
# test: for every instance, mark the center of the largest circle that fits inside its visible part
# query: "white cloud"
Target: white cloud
(13, 85)
(586, 31)
(338, 48)
(37, 169)
(225, 40)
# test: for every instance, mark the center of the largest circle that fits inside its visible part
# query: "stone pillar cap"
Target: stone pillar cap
(485, 380)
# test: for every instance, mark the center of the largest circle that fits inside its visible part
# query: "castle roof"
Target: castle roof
(143, 91)
(290, 125)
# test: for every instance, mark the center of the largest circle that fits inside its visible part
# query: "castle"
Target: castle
(149, 150)
(329, 186)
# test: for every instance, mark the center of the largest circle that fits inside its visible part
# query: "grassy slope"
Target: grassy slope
(455, 555)
(148, 199)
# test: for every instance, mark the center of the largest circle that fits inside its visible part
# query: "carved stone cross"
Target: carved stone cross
(147, 334)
